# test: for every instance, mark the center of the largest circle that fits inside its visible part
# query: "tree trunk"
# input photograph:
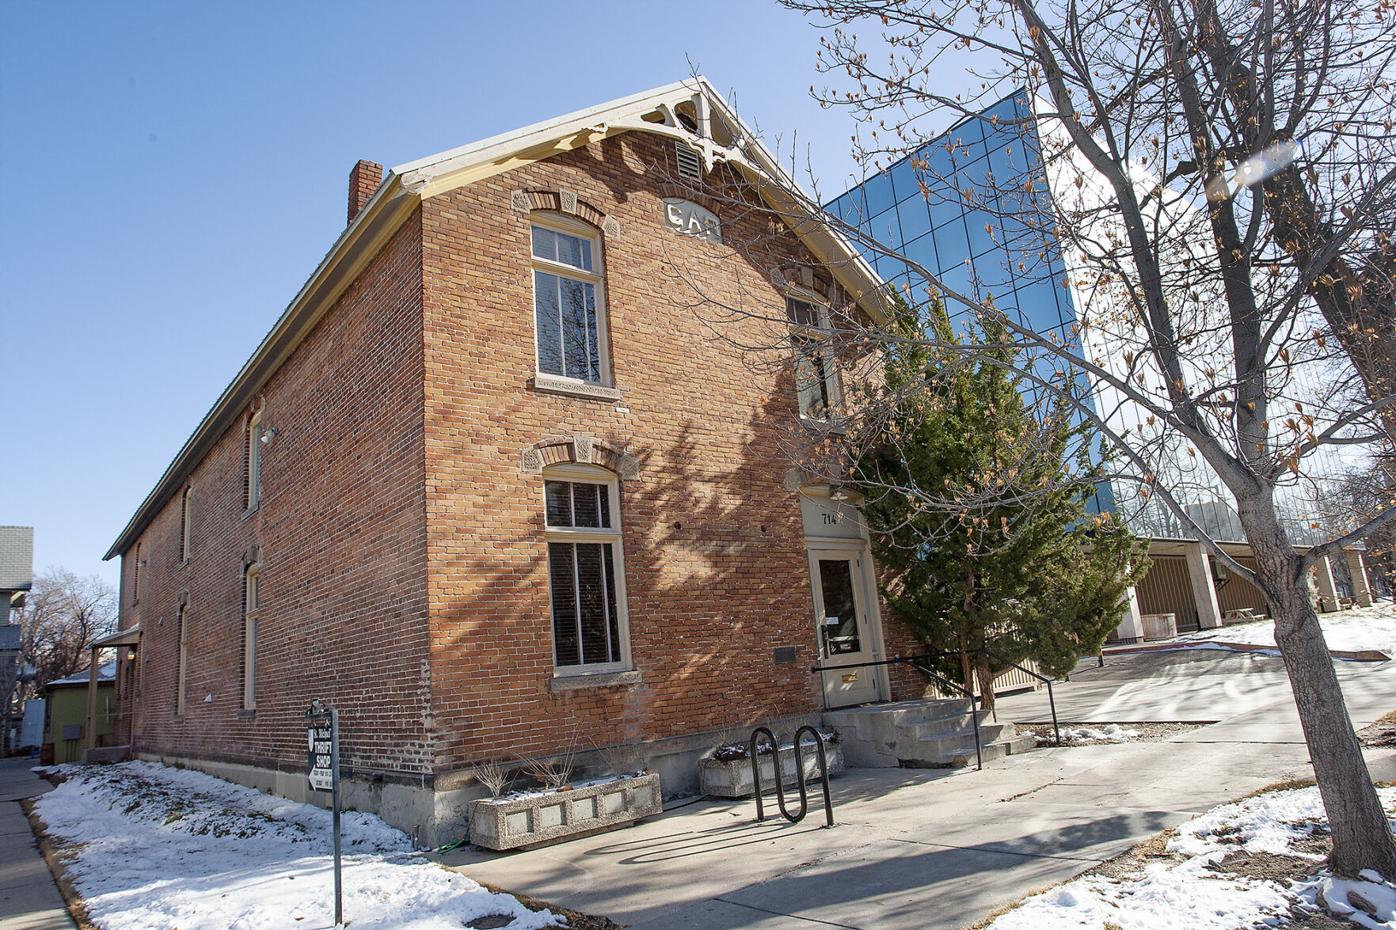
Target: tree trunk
(985, 673)
(1361, 835)
(966, 666)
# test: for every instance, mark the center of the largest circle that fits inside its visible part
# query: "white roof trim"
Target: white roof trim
(407, 184)
(473, 152)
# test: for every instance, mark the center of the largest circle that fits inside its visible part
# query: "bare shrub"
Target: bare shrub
(496, 776)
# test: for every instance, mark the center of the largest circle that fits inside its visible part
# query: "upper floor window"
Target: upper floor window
(568, 301)
(136, 577)
(182, 671)
(184, 502)
(252, 461)
(251, 584)
(586, 570)
(816, 377)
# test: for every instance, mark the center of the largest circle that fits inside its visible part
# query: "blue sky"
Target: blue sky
(174, 172)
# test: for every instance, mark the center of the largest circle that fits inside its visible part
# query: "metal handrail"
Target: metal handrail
(1051, 699)
(921, 664)
(799, 775)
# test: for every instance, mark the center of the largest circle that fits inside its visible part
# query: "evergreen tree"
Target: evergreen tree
(978, 504)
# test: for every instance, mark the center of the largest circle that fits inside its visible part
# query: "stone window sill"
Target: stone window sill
(835, 425)
(598, 680)
(554, 385)
(246, 714)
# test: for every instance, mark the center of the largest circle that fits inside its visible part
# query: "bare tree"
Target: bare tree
(64, 613)
(1215, 185)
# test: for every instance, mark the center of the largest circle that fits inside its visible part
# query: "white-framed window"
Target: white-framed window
(252, 461)
(251, 582)
(184, 529)
(586, 570)
(816, 372)
(182, 677)
(569, 303)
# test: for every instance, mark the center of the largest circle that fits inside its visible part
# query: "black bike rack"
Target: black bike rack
(799, 775)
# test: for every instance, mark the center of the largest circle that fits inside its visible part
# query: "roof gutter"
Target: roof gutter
(385, 211)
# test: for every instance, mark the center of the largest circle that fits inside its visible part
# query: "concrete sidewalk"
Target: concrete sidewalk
(29, 900)
(926, 849)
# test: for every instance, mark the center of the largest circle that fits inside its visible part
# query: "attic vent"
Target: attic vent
(689, 165)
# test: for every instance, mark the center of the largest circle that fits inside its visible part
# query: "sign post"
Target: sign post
(322, 733)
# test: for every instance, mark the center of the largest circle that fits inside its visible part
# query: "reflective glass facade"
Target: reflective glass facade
(969, 207)
(966, 207)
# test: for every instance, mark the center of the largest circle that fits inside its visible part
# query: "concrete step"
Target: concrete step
(956, 726)
(963, 755)
(881, 721)
(1020, 744)
(945, 722)
(932, 733)
(955, 759)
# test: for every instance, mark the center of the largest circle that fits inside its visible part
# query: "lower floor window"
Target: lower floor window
(586, 625)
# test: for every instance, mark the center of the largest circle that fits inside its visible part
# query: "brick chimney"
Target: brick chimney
(363, 181)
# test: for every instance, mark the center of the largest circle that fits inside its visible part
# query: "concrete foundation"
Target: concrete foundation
(435, 810)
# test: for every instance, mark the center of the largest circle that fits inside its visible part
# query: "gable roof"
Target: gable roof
(409, 184)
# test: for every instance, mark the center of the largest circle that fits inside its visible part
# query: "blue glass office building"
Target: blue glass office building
(977, 224)
(969, 208)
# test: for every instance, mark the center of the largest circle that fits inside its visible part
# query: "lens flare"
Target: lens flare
(1253, 170)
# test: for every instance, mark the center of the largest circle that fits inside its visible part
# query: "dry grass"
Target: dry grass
(576, 920)
(998, 912)
(53, 854)
(1380, 734)
(1131, 863)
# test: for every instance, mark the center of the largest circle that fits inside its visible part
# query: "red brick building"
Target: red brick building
(494, 488)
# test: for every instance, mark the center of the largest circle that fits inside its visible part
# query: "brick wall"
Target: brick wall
(401, 543)
(715, 561)
(340, 535)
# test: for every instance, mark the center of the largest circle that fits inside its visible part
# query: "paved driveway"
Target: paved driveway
(936, 849)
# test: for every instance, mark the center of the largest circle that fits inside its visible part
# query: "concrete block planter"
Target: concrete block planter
(732, 778)
(537, 818)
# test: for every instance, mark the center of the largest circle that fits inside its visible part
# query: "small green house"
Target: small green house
(67, 713)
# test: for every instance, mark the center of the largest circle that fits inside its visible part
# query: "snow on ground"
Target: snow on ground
(150, 846)
(1110, 733)
(1192, 893)
(1361, 628)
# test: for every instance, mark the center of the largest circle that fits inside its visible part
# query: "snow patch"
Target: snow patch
(1193, 894)
(1111, 733)
(1370, 903)
(152, 846)
(1347, 631)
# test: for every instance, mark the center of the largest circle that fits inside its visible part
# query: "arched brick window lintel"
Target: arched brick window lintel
(580, 449)
(526, 202)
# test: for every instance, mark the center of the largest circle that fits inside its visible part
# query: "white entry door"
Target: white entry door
(842, 616)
